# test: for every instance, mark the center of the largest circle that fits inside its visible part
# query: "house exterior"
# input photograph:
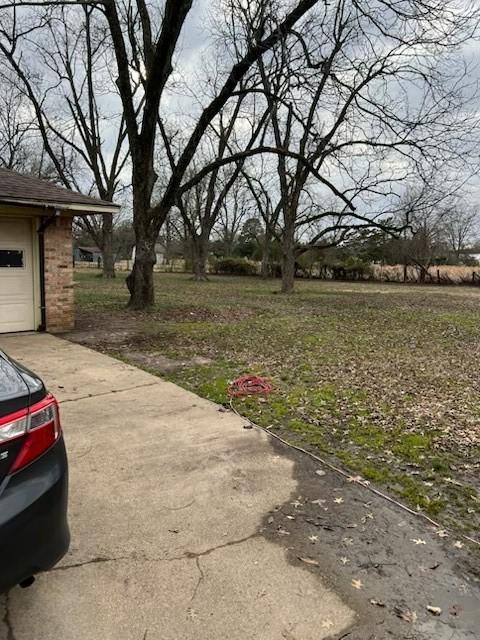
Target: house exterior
(36, 252)
(159, 253)
(87, 254)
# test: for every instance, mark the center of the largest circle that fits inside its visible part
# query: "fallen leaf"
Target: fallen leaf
(436, 611)
(418, 541)
(458, 545)
(354, 479)
(368, 516)
(344, 560)
(327, 624)
(283, 532)
(357, 584)
(405, 614)
(296, 504)
(318, 501)
(309, 561)
(441, 533)
(320, 472)
(313, 539)
(377, 603)
(339, 500)
(452, 481)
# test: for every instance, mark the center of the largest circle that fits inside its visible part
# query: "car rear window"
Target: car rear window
(11, 383)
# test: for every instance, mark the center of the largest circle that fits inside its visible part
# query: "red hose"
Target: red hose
(249, 386)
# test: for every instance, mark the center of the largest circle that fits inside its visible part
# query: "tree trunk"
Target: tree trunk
(200, 251)
(265, 268)
(140, 280)
(288, 259)
(107, 248)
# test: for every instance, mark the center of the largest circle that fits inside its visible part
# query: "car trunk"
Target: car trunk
(19, 388)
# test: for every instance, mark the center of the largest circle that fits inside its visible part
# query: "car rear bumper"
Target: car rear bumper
(34, 533)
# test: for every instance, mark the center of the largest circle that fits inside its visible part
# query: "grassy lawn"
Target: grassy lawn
(383, 378)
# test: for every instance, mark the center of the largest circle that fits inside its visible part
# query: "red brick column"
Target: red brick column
(58, 268)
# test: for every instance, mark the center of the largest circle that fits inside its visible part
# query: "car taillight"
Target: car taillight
(13, 426)
(41, 426)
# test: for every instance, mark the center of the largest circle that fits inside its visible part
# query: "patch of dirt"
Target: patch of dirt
(161, 364)
(387, 564)
(101, 329)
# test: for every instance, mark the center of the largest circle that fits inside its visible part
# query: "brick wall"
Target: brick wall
(59, 275)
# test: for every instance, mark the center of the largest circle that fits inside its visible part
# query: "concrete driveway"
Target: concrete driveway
(168, 499)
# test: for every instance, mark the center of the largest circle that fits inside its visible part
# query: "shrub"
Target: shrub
(235, 266)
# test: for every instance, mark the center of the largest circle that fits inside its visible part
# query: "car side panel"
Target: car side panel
(34, 532)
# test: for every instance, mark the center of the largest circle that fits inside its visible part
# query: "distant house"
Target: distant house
(470, 254)
(87, 254)
(475, 256)
(159, 252)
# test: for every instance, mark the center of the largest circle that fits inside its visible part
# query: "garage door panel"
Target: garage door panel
(16, 276)
(14, 316)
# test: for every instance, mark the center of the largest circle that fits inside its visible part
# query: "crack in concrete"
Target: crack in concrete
(7, 620)
(201, 578)
(185, 506)
(194, 554)
(188, 555)
(99, 560)
(108, 393)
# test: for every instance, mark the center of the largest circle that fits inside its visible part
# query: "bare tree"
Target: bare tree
(364, 96)
(144, 44)
(424, 214)
(362, 101)
(211, 193)
(62, 68)
(461, 227)
(16, 128)
(236, 208)
(21, 147)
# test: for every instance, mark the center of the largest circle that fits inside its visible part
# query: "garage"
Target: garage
(36, 255)
(17, 292)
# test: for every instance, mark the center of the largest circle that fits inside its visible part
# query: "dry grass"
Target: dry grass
(446, 274)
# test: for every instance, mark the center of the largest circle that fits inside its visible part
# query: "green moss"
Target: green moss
(376, 473)
(326, 395)
(440, 465)
(311, 433)
(215, 390)
(413, 493)
(411, 446)
(366, 435)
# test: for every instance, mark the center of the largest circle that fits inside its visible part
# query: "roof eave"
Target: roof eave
(76, 208)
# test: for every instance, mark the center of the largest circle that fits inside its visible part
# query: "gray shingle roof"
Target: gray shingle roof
(22, 189)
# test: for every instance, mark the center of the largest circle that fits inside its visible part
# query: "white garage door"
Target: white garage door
(16, 276)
